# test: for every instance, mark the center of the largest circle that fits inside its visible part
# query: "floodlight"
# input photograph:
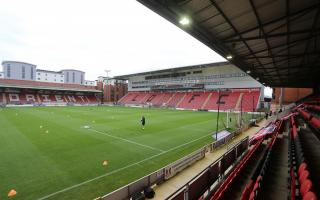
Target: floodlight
(229, 57)
(184, 21)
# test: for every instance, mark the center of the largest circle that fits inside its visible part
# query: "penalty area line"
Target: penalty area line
(126, 140)
(120, 169)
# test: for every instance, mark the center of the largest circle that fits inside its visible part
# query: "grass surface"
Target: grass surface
(44, 150)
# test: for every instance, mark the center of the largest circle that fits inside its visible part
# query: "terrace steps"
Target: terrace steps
(275, 184)
(206, 101)
(144, 98)
(181, 100)
(238, 101)
(236, 189)
(170, 98)
(122, 98)
(4, 100)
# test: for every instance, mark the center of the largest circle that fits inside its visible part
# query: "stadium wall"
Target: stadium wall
(290, 95)
(211, 77)
(113, 89)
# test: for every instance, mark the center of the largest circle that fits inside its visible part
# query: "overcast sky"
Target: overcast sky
(119, 35)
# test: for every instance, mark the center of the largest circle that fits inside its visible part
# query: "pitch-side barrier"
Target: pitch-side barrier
(217, 169)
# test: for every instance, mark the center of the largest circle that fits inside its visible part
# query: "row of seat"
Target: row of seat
(313, 107)
(235, 175)
(227, 183)
(301, 180)
(258, 176)
(246, 100)
(298, 168)
(35, 98)
(314, 121)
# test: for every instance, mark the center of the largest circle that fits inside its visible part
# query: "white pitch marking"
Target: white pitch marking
(119, 169)
(126, 140)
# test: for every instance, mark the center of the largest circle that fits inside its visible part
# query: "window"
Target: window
(61, 81)
(39, 79)
(67, 77)
(46, 74)
(23, 74)
(73, 77)
(55, 80)
(39, 74)
(31, 75)
(8, 70)
(81, 78)
(197, 72)
(46, 79)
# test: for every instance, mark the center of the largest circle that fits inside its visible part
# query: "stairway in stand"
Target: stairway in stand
(173, 94)
(184, 96)
(206, 101)
(238, 102)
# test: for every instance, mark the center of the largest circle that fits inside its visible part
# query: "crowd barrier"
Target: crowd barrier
(181, 164)
(191, 189)
(202, 182)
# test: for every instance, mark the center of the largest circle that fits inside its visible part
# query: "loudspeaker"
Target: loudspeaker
(138, 196)
(148, 192)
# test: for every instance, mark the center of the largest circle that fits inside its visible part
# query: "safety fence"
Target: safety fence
(214, 171)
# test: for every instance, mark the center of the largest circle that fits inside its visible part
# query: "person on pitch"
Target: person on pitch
(143, 121)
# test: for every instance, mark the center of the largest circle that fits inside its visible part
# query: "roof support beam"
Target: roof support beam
(285, 34)
(262, 30)
(213, 2)
(314, 24)
(293, 43)
(276, 20)
(288, 31)
(286, 55)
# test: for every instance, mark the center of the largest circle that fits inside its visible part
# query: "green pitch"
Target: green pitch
(46, 153)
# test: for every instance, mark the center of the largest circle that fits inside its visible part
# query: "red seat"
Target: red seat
(310, 196)
(305, 187)
(302, 167)
(259, 178)
(251, 196)
(303, 176)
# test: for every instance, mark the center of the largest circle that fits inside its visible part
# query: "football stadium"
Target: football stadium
(192, 132)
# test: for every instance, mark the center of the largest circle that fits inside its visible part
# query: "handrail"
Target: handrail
(207, 168)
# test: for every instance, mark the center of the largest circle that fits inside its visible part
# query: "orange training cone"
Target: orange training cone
(12, 193)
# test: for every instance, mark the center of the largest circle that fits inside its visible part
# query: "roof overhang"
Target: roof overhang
(172, 70)
(276, 40)
(46, 88)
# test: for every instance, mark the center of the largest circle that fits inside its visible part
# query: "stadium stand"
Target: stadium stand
(193, 100)
(247, 99)
(27, 98)
(291, 149)
(176, 98)
(296, 153)
(45, 85)
(283, 161)
(23, 92)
